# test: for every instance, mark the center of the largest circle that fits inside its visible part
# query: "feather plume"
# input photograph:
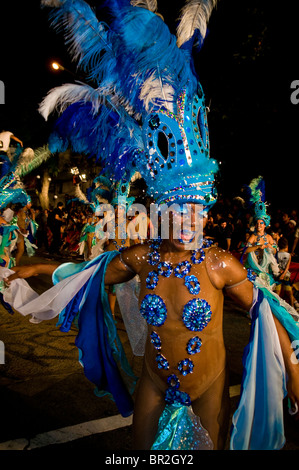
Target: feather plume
(51, 3)
(153, 93)
(137, 42)
(80, 195)
(193, 20)
(61, 97)
(30, 160)
(150, 5)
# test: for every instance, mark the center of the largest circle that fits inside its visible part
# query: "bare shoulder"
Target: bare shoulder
(252, 238)
(135, 256)
(270, 239)
(223, 268)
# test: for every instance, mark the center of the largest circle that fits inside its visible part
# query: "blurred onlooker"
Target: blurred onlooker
(223, 234)
(283, 281)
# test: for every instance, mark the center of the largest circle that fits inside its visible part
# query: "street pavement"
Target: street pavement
(47, 403)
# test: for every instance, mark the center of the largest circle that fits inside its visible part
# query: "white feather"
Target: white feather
(150, 5)
(194, 15)
(61, 97)
(51, 3)
(80, 195)
(153, 91)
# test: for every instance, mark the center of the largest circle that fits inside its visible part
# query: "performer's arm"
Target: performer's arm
(241, 290)
(251, 244)
(118, 271)
(24, 272)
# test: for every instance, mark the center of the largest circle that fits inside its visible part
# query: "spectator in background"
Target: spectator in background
(223, 234)
(42, 231)
(285, 228)
(284, 286)
(293, 237)
(56, 225)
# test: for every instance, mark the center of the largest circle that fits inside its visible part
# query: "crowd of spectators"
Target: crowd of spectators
(229, 225)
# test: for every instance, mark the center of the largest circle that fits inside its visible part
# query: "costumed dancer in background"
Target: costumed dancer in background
(24, 219)
(12, 193)
(182, 400)
(93, 238)
(260, 247)
(21, 231)
(127, 293)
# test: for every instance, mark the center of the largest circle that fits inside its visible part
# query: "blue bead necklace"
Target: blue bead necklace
(196, 314)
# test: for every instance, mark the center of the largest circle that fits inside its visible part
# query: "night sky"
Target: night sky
(246, 67)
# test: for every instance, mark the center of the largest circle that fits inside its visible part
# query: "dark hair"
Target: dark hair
(283, 243)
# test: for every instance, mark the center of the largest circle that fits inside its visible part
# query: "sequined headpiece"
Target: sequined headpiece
(177, 152)
(256, 200)
(12, 172)
(147, 111)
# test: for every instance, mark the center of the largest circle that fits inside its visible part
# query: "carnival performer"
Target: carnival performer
(260, 247)
(182, 399)
(26, 230)
(23, 227)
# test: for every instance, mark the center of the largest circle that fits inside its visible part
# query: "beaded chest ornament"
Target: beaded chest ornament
(196, 315)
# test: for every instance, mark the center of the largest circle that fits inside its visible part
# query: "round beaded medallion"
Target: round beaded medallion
(196, 314)
(153, 309)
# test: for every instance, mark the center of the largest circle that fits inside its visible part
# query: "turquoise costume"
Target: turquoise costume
(151, 120)
(105, 364)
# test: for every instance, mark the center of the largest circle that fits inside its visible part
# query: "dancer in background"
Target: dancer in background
(182, 395)
(261, 248)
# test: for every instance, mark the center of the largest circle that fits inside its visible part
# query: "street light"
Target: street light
(56, 66)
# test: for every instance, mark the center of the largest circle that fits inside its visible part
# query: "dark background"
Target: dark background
(246, 67)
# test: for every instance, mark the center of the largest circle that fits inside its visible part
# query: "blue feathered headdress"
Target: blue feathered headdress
(256, 199)
(12, 172)
(145, 109)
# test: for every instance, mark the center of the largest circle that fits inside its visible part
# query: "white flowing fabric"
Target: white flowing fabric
(258, 421)
(127, 295)
(49, 304)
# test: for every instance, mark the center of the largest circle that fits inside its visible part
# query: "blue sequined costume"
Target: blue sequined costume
(105, 364)
(123, 120)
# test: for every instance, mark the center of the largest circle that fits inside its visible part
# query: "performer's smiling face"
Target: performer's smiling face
(260, 226)
(186, 224)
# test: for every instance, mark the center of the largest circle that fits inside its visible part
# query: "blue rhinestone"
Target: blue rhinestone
(153, 258)
(156, 340)
(173, 381)
(182, 269)
(167, 272)
(194, 345)
(194, 258)
(162, 362)
(251, 276)
(152, 280)
(196, 314)
(176, 396)
(153, 309)
(186, 366)
(195, 288)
